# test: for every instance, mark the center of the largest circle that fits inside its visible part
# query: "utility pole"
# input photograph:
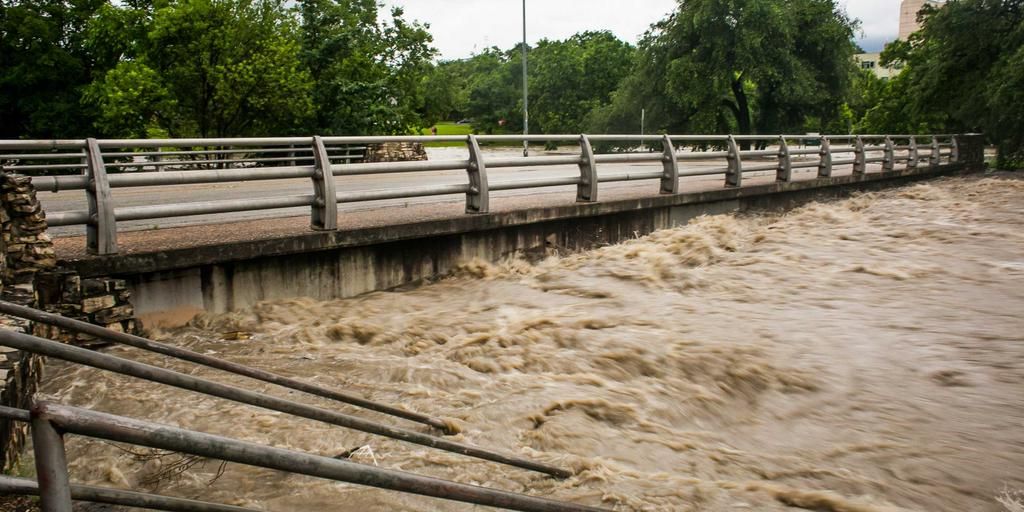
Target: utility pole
(526, 93)
(643, 121)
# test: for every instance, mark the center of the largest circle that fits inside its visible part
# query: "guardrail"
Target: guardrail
(49, 422)
(322, 163)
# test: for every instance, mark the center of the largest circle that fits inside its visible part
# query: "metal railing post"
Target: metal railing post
(324, 214)
(825, 164)
(478, 195)
(734, 174)
(936, 154)
(889, 164)
(670, 176)
(912, 157)
(586, 191)
(51, 466)
(954, 157)
(291, 154)
(860, 165)
(784, 172)
(101, 231)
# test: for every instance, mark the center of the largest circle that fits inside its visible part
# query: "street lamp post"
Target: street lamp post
(526, 94)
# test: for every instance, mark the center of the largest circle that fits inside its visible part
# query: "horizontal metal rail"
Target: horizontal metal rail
(535, 183)
(77, 326)
(200, 163)
(226, 151)
(15, 414)
(150, 179)
(162, 211)
(42, 156)
(144, 371)
(702, 155)
(323, 161)
(44, 167)
(402, 193)
(704, 172)
(71, 420)
(534, 161)
(629, 176)
(11, 486)
(182, 143)
(629, 157)
(398, 167)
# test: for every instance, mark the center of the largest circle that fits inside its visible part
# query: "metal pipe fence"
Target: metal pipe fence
(78, 326)
(69, 353)
(177, 162)
(50, 422)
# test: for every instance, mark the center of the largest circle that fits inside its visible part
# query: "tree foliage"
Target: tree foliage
(367, 73)
(44, 66)
(131, 68)
(571, 78)
(212, 68)
(742, 66)
(964, 72)
(567, 80)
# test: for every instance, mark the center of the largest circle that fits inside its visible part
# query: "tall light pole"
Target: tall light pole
(526, 93)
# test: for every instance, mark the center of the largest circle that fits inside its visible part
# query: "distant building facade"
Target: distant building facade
(908, 25)
(908, 15)
(873, 62)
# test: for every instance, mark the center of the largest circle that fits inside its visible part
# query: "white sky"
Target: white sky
(463, 27)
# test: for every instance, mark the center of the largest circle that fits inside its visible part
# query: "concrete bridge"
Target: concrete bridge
(380, 225)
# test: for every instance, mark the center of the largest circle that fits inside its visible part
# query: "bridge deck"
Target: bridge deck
(198, 231)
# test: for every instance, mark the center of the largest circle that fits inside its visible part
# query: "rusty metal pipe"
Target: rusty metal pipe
(136, 369)
(10, 413)
(79, 326)
(10, 485)
(51, 467)
(116, 428)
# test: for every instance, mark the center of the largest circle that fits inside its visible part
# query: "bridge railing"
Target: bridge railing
(101, 166)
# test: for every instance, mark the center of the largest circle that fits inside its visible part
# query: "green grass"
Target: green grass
(448, 128)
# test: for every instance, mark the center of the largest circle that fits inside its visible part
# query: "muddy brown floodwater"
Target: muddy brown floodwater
(859, 355)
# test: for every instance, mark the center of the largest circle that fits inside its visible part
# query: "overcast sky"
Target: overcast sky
(464, 27)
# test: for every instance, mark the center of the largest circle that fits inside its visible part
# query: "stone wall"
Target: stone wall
(26, 246)
(395, 152)
(26, 251)
(30, 276)
(101, 301)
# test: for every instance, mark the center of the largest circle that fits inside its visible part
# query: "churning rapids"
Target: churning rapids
(859, 355)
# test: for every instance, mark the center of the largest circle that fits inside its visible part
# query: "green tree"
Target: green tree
(209, 68)
(44, 65)
(570, 78)
(965, 72)
(495, 91)
(368, 73)
(446, 92)
(742, 66)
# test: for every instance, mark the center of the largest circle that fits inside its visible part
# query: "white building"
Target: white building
(908, 25)
(873, 62)
(908, 15)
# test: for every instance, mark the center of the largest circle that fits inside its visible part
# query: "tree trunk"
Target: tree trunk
(742, 111)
